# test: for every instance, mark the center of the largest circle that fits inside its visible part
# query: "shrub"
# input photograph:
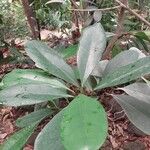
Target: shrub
(83, 123)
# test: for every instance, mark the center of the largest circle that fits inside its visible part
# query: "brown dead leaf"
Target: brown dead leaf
(113, 142)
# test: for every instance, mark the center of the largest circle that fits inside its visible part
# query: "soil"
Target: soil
(122, 134)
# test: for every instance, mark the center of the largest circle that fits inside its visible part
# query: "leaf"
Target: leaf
(33, 117)
(136, 43)
(147, 32)
(49, 137)
(139, 91)
(48, 60)
(76, 72)
(126, 73)
(22, 76)
(109, 34)
(18, 139)
(137, 111)
(99, 69)
(142, 35)
(91, 47)
(88, 83)
(122, 59)
(70, 51)
(30, 93)
(97, 16)
(116, 50)
(84, 124)
(143, 43)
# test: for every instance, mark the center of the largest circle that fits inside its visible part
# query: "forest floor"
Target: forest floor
(122, 134)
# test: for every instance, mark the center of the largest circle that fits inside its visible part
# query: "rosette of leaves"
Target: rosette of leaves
(82, 125)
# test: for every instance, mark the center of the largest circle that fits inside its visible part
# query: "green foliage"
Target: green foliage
(50, 61)
(136, 104)
(126, 73)
(30, 93)
(83, 123)
(122, 59)
(142, 40)
(52, 15)
(69, 51)
(33, 117)
(90, 51)
(13, 22)
(86, 117)
(22, 76)
(19, 139)
(50, 135)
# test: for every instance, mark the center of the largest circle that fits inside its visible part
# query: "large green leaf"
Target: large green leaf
(69, 51)
(21, 76)
(48, 60)
(84, 124)
(18, 139)
(30, 93)
(126, 73)
(49, 137)
(122, 59)
(99, 69)
(139, 91)
(137, 110)
(33, 117)
(91, 47)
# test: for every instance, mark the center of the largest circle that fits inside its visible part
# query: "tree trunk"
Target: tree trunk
(31, 19)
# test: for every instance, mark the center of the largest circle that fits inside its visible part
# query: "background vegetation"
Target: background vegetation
(76, 62)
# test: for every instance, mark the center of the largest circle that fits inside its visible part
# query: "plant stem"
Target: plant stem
(81, 90)
(55, 105)
(103, 9)
(67, 100)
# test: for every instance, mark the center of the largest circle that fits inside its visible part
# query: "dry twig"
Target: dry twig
(118, 33)
(103, 9)
(133, 12)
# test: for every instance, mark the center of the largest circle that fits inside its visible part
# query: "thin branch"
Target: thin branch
(76, 7)
(31, 19)
(133, 12)
(103, 9)
(118, 32)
